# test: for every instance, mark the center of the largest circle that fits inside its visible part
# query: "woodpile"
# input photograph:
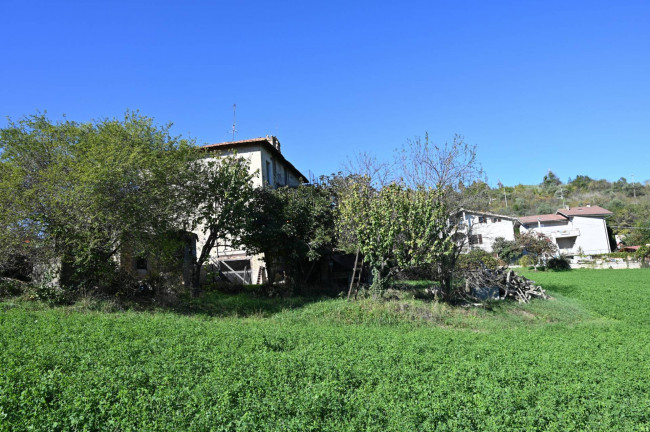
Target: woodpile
(509, 284)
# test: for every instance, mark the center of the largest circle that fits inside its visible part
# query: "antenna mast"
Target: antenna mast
(234, 120)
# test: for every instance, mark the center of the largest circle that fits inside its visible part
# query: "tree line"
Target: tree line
(77, 198)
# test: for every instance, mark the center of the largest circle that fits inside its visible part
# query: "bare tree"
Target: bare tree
(380, 173)
(452, 166)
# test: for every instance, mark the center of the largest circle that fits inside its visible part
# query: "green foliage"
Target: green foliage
(536, 245)
(525, 261)
(476, 260)
(560, 263)
(293, 227)
(643, 252)
(507, 250)
(397, 228)
(216, 199)
(77, 192)
(576, 363)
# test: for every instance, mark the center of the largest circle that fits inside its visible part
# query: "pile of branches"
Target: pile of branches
(510, 284)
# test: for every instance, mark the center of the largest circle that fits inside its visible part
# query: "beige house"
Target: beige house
(270, 168)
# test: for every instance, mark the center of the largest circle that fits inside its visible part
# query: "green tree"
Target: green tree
(537, 245)
(292, 227)
(216, 199)
(78, 192)
(507, 250)
(396, 228)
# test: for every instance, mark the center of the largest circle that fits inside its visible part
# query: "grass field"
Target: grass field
(578, 362)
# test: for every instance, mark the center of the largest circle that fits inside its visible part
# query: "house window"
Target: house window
(476, 239)
(269, 173)
(141, 263)
(286, 177)
(482, 219)
(496, 219)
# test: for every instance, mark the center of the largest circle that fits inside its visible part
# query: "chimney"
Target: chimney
(275, 142)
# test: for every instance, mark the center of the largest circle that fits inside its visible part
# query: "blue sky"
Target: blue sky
(536, 85)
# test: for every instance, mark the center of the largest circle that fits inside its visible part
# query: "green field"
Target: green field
(578, 362)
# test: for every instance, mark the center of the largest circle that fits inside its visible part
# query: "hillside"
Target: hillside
(629, 201)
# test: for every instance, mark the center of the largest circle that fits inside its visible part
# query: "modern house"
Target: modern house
(480, 229)
(270, 169)
(574, 230)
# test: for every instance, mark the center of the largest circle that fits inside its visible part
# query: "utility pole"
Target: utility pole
(234, 120)
(562, 196)
(505, 197)
(633, 187)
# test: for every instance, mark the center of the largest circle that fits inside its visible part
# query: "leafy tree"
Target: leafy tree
(292, 227)
(507, 250)
(551, 181)
(78, 192)
(217, 199)
(396, 228)
(537, 245)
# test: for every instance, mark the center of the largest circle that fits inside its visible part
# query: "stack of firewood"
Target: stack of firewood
(510, 284)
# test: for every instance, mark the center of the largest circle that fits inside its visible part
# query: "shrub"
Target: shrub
(558, 264)
(475, 260)
(525, 261)
(11, 287)
(507, 250)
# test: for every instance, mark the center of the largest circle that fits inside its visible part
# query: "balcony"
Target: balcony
(575, 232)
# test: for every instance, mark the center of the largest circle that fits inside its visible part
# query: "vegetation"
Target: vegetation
(292, 227)
(630, 201)
(578, 362)
(77, 194)
(537, 246)
(560, 263)
(507, 250)
(476, 259)
(216, 201)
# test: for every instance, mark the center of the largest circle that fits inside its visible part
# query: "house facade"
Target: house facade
(270, 169)
(574, 230)
(480, 229)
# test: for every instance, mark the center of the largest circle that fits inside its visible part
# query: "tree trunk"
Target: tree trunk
(196, 279)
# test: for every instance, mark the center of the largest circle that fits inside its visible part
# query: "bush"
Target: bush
(475, 260)
(525, 261)
(11, 287)
(558, 264)
(507, 250)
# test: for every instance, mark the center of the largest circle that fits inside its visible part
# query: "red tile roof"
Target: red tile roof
(585, 211)
(541, 218)
(266, 142)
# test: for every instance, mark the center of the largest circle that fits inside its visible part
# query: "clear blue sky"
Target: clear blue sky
(535, 85)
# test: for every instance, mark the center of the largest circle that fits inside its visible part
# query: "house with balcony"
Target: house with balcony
(574, 230)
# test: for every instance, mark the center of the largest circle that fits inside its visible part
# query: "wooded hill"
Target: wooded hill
(630, 201)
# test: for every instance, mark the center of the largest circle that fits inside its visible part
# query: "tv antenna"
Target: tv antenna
(234, 120)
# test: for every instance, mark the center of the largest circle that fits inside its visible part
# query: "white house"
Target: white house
(574, 230)
(481, 228)
(271, 168)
